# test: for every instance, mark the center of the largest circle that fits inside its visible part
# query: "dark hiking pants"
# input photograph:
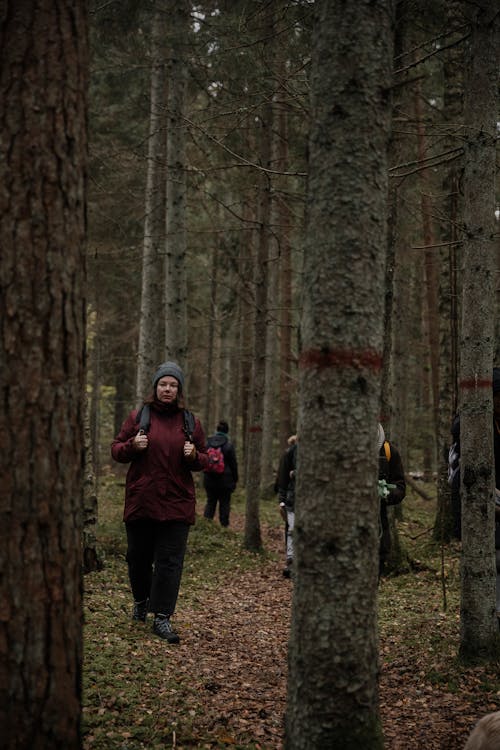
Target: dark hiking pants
(155, 557)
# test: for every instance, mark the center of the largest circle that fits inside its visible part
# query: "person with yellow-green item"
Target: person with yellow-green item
(392, 490)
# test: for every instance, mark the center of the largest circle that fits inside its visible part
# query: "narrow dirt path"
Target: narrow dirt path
(240, 639)
(233, 661)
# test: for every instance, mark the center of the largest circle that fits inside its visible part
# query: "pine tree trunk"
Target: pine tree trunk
(479, 628)
(398, 153)
(271, 377)
(94, 355)
(43, 95)
(394, 398)
(246, 263)
(448, 262)
(497, 297)
(333, 659)
(431, 269)
(210, 384)
(150, 350)
(287, 370)
(178, 14)
(253, 539)
(92, 557)
(266, 343)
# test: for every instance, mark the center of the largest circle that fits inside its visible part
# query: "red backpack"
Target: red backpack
(216, 461)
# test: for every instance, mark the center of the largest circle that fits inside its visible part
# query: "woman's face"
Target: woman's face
(166, 389)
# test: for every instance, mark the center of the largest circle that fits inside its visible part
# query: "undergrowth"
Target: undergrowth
(131, 697)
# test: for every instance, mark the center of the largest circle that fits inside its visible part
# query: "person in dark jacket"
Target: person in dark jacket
(219, 487)
(392, 490)
(159, 497)
(286, 495)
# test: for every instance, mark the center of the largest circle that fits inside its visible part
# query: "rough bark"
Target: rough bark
(92, 556)
(448, 262)
(497, 297)
(398, 313)
(268, 464)
(175, 269)
(399, 152)
(287, 369)
(245, 305)
(150, 350)
(209, 412)
(479, 627)
(271, 374)
(431, 267)
(253, 539)
(333, 658)
(43, 95)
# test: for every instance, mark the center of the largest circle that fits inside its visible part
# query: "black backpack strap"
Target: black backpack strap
(144, 417)
(189, 423)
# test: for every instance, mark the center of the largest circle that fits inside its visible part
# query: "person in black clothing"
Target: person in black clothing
(219, 487)
(286, 494)
(392, 490)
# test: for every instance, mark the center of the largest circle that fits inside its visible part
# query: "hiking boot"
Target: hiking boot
(163, 628)
(140, 611)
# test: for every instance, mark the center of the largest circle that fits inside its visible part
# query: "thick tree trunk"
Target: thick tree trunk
(399, 152)
(288, 422)
(497, 297)
(479, 628)
(269, 422)
(92, 556)
(150, 350)
(43, 89)
(245, 306)
(272, 377)
(94, 365)
(404, 290)
(431, 268)
(175, 270)
(449, 259)
(253, 539)
(332, 688)
(210, 383)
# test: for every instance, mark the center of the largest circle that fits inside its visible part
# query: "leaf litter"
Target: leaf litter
(224, 685)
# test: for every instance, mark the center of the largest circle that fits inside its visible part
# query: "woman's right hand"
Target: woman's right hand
(140, 442)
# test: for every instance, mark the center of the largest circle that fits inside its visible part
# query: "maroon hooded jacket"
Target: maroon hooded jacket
(159, 484)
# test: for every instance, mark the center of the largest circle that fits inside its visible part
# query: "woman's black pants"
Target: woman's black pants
(155, 557)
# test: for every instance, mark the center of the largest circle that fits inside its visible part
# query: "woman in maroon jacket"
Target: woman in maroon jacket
(159, 496)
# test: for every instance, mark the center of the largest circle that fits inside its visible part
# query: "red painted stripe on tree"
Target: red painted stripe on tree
(340, 358)
(472, 383)
(255, 428)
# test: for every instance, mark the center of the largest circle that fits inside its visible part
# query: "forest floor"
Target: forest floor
(224, 685)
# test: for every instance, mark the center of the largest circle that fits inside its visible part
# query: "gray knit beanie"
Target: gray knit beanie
(169, 368)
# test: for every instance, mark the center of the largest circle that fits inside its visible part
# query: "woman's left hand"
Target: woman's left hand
(189, 451)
